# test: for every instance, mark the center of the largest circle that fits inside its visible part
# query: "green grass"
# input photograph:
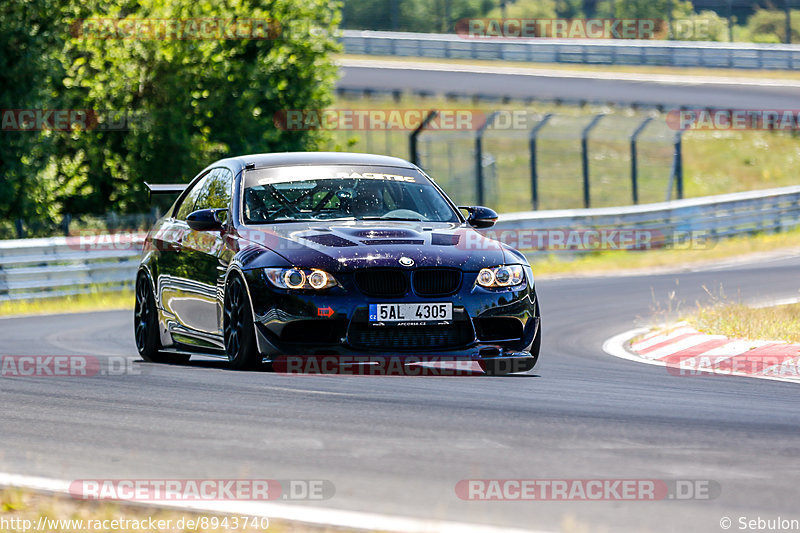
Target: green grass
(18, 504)
(736, 320)
(720, 162)
(94, 301)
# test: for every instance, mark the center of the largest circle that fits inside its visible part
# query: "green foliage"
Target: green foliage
(703, 26)
(31, 37)
(663, 11)
(528, 9)
(181, 102)
(412, 15)
(644, 9)
(769, 26)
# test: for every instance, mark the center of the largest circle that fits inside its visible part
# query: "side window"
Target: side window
(216, 192)
(187, 203)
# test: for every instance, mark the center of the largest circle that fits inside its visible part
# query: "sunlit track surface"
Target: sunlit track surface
(399, 445)
(485, 81)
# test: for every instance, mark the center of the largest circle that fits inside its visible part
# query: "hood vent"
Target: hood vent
(385, 234)
(444, 239)
(329, 239)
(393, 241)
(245, 256)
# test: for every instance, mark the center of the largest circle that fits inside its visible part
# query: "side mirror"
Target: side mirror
(205, 220)
(480, 217)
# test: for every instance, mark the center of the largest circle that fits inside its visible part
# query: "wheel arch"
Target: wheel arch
(236, 270)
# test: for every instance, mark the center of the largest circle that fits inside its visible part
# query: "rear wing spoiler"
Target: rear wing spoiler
(165, 188)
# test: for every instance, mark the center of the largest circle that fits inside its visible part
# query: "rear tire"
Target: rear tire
(145, 326)
(238, 327)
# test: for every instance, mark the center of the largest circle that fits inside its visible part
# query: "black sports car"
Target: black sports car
(334, 254)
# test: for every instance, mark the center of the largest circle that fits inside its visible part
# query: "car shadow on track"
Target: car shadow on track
(353, 370)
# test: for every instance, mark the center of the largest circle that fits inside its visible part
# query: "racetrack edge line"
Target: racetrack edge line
(317, 516)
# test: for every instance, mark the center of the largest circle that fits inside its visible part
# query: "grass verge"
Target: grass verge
(617, 261)
(22, 510)
(94, 301)
(736, 320)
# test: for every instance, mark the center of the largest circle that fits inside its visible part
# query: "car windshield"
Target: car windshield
(290, 194)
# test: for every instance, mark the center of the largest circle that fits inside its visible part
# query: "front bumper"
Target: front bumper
(487, 324)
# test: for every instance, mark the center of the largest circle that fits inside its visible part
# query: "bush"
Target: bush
(769, 26)
(703, 26)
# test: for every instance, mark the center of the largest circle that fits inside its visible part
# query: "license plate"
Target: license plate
(410, 314)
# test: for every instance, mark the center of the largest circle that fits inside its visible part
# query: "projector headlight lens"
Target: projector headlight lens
(486, 277)
(318, 279)
(294, 279)
(299, 278)
(501, 276)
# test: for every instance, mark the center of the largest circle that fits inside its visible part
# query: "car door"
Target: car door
(188, 275)
(202, 249)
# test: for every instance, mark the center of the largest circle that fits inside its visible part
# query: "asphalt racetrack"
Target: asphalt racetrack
(399, 445)
(501, 81)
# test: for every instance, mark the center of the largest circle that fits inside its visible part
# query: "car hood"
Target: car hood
(344, 246)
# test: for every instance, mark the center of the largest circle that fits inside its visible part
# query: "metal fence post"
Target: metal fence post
(634, 159)
(65, 222)
(676, 175)
(534, 169)
(479, 188)
(585, 156)
(412, 139)
(679, 164)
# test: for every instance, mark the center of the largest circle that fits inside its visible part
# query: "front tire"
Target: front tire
(238, 327)
(145, 326)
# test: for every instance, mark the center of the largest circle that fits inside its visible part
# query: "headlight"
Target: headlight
(299, 278)
(501, 276)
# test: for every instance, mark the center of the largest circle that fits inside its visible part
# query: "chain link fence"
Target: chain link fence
(518, 159)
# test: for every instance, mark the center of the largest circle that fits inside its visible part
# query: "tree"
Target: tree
(167, 104)
(527, 9)
(31, 38)
(664, 11)
(769, 26)
(703, 26)
(199, 97)
(412, 15)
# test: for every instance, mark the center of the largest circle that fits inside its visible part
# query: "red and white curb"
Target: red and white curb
(685, 352)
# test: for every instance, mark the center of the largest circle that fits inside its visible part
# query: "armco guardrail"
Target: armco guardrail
(62, 266)
(584, 51)
(35, 268)
(688, 222)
